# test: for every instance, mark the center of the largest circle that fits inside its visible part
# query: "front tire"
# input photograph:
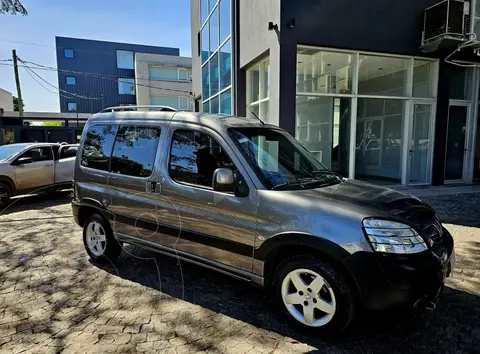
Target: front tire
(99, 241)
(5, 194)
(314, 295)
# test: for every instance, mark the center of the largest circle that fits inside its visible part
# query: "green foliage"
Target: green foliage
(12, 7)
(15, 104)
(52, 124)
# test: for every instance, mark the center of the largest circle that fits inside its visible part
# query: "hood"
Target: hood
(376, 201)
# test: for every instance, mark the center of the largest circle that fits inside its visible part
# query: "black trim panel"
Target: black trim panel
(192, 236)
(298, 239)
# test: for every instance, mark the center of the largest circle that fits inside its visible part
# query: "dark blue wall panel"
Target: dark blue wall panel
(95, 64)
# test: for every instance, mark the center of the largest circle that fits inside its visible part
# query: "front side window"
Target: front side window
(43, 153)
(68, 53)
(134, 151)
(98, 146)
(124, 59)
(195, 156)
(279, 161)
(126, 86)
(71, 80)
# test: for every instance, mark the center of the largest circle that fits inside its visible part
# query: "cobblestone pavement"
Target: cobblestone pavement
(52, 298)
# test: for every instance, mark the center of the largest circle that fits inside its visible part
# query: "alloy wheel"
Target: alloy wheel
(96, 238)
(308, 297)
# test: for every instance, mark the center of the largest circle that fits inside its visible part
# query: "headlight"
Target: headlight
(393, 237)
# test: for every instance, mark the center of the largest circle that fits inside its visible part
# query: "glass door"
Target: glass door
(456, 142)
(420, 144)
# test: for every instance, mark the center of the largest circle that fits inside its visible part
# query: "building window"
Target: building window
(258, 90)
(71, 106)
(166, 73)
(71, 80)
(216, 58)
(204, 10)
(126, 86)
(124, 59)
(68, 53)
(226, 102)
(178, 102)
(225, 21)
(382, 76)
(324, 72)
(424, 78)
(225, 65)
(205, 43)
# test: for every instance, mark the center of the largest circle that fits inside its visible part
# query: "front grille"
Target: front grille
(433, 231)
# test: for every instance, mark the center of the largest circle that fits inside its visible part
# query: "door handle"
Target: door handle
(153, 187)
(48, 165)
(411, 151)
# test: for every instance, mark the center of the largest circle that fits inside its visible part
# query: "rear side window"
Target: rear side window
(98, 146)
(195, 156)
(134, 150)
(66, 152)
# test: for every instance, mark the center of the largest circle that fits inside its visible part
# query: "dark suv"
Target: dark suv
(245, 198)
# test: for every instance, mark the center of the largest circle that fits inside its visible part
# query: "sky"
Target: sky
(150, 22)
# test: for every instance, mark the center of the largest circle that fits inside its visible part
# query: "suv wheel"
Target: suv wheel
(314, 295)
(5, 194)
(99, 241)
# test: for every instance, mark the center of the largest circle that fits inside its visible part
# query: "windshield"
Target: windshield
(279, 161)
(7, 151)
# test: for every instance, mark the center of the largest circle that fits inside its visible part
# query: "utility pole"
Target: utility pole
(17, 81)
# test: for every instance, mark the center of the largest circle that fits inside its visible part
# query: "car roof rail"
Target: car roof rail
(139, 108)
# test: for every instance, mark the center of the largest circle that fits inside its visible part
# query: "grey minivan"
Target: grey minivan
(245, 198)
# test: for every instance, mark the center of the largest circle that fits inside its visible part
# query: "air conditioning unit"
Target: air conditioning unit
(324, 83)
(446, 25)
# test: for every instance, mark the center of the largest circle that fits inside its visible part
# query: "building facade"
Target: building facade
(6, 100)
(349, 80)
(164, 80)
(93, 75)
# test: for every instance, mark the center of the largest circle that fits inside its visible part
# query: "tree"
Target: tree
(15, 104)
(12, 7)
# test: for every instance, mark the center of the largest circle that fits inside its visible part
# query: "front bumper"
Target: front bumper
(75, 208)
(388, 281)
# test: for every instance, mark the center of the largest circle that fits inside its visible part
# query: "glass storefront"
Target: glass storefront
(387, 101)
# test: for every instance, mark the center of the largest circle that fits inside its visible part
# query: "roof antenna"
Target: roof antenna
(261, 121)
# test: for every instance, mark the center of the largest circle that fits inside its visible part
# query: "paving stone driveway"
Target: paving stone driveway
(52, 298)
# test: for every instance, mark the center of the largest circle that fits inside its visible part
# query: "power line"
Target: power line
(101, 76)
(94, 75)
(74, 95)
(38, 82)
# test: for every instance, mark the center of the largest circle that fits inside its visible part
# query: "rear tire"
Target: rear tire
(99, 241)
(314, 295)
(5, 194)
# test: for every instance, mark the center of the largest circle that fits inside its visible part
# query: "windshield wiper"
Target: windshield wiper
(303, 183)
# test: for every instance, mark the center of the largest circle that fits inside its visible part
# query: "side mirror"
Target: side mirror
(223, 180)
(23, 161)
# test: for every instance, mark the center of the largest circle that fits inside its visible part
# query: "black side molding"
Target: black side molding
(298, 239)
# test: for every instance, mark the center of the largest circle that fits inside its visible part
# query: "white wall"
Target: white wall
(6, 100)
(146, 87)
